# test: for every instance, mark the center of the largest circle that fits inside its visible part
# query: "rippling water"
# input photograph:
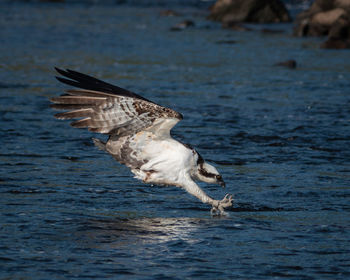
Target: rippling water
(280, 138)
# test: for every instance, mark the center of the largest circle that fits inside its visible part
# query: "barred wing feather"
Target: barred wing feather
(108, 109)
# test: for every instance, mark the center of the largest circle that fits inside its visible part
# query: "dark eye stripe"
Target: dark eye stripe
(205, 173)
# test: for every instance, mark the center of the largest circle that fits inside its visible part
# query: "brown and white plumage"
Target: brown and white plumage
(139, 134)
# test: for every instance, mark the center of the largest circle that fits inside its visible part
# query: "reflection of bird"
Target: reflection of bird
(139, 135)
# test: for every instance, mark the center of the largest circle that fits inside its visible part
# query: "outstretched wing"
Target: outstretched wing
(105, 108)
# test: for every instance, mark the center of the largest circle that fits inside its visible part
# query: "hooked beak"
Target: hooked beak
(222, 184)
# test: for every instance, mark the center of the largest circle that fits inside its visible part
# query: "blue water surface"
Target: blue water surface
(280, 138)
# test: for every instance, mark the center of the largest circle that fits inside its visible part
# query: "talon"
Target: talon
(219, 206)
(214, 211)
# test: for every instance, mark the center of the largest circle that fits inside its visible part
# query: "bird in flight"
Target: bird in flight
(139, 135)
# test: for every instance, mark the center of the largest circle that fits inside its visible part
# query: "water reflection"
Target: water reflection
(120, 232)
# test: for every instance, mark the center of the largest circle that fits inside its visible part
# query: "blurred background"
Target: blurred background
(264, 89)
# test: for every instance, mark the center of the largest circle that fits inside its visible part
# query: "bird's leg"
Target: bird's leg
(217, 205)
(218, 209)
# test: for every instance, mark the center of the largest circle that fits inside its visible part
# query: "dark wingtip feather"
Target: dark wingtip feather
(59, 70)
(68, 82)
(83, 81)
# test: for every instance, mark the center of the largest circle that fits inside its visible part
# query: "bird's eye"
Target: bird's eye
(218, 177)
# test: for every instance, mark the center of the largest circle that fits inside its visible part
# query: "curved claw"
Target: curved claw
(218, 209)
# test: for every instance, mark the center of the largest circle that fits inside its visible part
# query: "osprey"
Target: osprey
(139, 135)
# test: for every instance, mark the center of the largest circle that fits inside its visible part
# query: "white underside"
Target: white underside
(168, 161)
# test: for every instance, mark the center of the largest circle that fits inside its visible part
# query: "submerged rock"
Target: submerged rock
(259, 11)
(291, 64)
(271, 31)
(226, 42)
(169, 13)
(235, 26)
(182, 25)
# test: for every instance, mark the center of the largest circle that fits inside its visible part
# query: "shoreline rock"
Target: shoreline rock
(258, 11)
(326, 18)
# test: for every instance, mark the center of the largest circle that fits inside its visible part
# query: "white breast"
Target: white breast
(168, 157)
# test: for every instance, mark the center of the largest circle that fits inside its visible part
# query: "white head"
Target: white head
(207, 173)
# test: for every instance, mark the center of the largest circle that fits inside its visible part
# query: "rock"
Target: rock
(291, 64)
(182, 25)
(271, 31)
(339, 35)
(320, 23)
(341, 28)
(169, 13)
(322, 5)
(326, 18)
(336, 44)
(226, 42)
(260, 11)
(345, 4)
(235, 26)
